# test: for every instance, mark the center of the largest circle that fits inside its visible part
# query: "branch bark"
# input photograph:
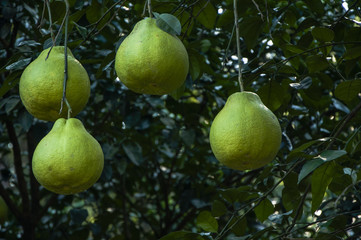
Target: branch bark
(18, 166)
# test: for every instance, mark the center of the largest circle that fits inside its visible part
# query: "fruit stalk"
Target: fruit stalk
(239, 56)
(66, 61)
(150, 8)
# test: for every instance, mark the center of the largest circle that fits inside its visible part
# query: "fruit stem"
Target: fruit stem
(150, 8)
(239, 56)
(66, 62)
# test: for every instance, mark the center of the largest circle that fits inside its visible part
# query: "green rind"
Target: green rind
(41, 85)
(68, 159)
(245, 134)
(151, 61)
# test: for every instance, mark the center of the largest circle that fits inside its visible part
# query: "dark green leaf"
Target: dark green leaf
(218, 208)
(78, 216)
(316, 63)
(239, 226)
(178, 93)
(168, 23)
(315, 6)
(19, 65)
(321, 178)
(134, 152)
(264, 209)
(250, 29)
(325, 156)
(353, 53)
(11, 81)
(309, 167)
(207, 222)
(82, 30)
(182, 235)
(323, 34)
(348, 90)
(206, 13)
(272, 95)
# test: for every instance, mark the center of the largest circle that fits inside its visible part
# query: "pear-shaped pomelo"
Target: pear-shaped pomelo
(245, 134)
(41, 85)
(150, 60)
(68, 159)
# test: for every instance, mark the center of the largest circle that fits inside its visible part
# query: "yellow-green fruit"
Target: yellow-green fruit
(150, 60)
(41, 85)
(4, 211)
(245, 134)
(68, 159)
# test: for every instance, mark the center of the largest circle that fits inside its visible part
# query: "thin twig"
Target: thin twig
(150, 8)
(299, 208)
(65, 62)
(344, 122)
(259, 10)
(90, 34)
(284, 61)
(189, 20)
(343, 15)
(240, 80)
(59, 31)
(50, 21)
(42, 16)
(260, 199)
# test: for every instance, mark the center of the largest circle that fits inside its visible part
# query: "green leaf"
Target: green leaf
(309, 144)
(264, 209)
(315, 6)
(207, 222)
(250, 29)
(206, 12)
(309, 167)
(82, 30)
(325, 156)
(316, 63)
(19, 65)
(239, 226)
(348, 90)
(323, 34)
(218, 208)
(329, 155)
(11, 81)
(182, 235)
(272, 95)
(321, 178)
(168, 23)
(293, 48)
(178, 93)
(134, 152)
(78, 216)
(353, 53)
(194, 66)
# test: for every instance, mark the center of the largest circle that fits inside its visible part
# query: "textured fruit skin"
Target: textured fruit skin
(245, 134)
(68, 159)
(150, 60)
(41, 85)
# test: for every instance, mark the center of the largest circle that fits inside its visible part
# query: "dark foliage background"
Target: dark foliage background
(161, 180)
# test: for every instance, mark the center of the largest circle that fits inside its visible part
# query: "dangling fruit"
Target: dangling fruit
(245, 134)
(41, 85)
(68, 159)
(150, 60)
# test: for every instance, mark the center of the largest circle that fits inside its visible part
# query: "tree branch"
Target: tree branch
(18, 166)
